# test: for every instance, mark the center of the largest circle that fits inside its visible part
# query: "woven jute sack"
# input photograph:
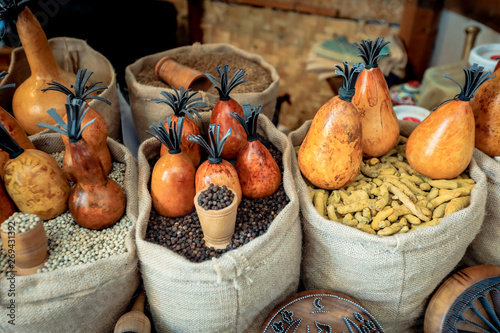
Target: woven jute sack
(392, 276)
(83, 298)
(145, 112)
(71, 55)
(485, 249)
(235, 292)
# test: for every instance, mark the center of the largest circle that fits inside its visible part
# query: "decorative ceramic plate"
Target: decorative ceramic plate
(467, 302)
(320, 311)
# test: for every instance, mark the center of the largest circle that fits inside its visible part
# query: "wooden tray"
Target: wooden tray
(322, 311)
(468, 301)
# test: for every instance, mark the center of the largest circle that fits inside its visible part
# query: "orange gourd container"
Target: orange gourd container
(96, 134)
(258, 172)
(441, 147)
(332, 153)
(182, 103)
(486, 109)
(226, 105)
(380, 125)
(30, 104)
(96, 201)
(173, 176)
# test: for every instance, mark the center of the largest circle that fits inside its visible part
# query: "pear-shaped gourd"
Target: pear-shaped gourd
(216, 170)
(15, 130)
(221, 114)
(95, 201)
(258, 172)
(96, 134)
(30, 104)
(182, 103)
(33, 179)
(173, 177)
(373, 102)
(331, 154)
(486, 109)
(441, 147)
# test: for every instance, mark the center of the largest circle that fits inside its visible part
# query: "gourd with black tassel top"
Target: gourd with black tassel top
(216, 170)
(182, 103)
(173, 176)
(96, 134)
(441, 147)
(373, 102)
(332, 153)
(258, 172)
(96, 201)
(221, 114)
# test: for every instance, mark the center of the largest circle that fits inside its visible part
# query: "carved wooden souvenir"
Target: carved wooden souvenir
(320, 311)
(468, 302)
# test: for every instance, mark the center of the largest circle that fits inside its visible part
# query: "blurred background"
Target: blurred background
(288, 33)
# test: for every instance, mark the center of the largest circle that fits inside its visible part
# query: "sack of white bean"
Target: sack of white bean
(90, 276)
(392, 255)
(485, 249)
(191, 288)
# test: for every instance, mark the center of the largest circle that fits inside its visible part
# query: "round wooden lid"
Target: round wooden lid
(321, 311)
(468, 301)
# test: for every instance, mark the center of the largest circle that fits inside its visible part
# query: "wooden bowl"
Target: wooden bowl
(466, 301)
(30, 249)
(320, 311)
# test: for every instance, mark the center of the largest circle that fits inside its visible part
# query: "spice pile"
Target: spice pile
(69, 244)
(21, 222)
(215, 197)
(390, 197)
(259, 79)
(184, 235)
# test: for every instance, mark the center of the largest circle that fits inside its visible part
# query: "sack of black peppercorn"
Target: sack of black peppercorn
(193, 288)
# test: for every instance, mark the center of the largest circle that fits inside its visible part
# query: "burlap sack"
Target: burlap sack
(84, 298)
(146, 112)
(391, 276)
(72, 54)
(235, 292)
(485, 249)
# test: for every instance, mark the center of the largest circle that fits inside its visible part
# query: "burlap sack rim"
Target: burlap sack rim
(133, 69)
(226, 260)
(487, 163)
(400, 242)
(100, 274)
